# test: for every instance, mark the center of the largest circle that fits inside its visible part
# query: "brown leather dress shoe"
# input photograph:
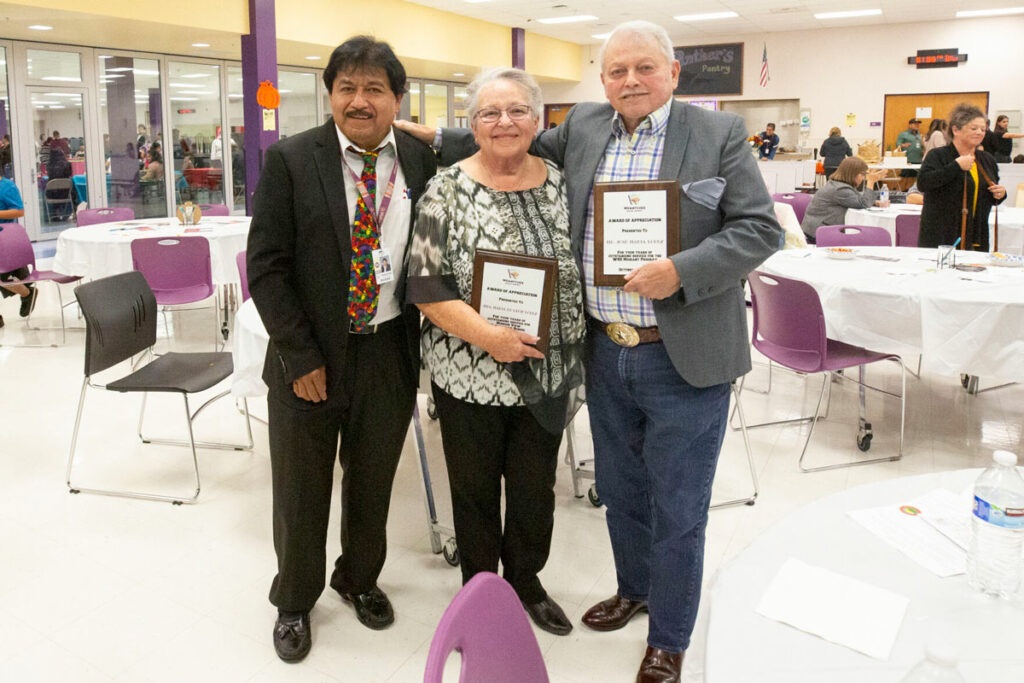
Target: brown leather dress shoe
(660, 666)
(613, 613)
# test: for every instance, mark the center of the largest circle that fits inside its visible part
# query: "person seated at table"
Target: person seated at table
(769, 143)
(12, 208)
(834, 149)
(502, 404)
(60, 167)
(154, 164)
(843, 191)
(961, 185)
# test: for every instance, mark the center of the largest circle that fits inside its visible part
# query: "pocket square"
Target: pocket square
(707, 192)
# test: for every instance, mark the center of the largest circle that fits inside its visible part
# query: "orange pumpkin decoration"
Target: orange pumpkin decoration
(267, 95)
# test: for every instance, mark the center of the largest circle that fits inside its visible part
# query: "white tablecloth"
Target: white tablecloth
(96, 251)
(248, 350)
(1011, 223)
(745, 646)
(959, 322)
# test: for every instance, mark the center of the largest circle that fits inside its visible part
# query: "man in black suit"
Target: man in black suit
(343, 355)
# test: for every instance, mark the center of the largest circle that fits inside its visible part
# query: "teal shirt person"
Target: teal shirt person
(10, 198)
(915, 150)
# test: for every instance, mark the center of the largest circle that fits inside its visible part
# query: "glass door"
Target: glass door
(60, 177)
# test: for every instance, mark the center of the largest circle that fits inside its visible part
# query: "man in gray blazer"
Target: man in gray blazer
(658, 382)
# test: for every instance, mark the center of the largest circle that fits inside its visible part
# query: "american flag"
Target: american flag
(764, 67)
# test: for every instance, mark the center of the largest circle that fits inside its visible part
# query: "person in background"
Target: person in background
(833, 150)
(935, 137)
(1019, 159)
(6, 157)
(843, 191)
(154, 164)
(909, 141)
(955, 180)
(60, 143)
(769, 143)
(60, 167)
(502, 404)
(343, 359)
(44, 153)
(11, 209)
(998, 141)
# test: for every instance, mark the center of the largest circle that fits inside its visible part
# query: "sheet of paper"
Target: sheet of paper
(901, 526)
(835, 607)
(948, 513)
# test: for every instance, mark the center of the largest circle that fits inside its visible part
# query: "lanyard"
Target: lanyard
(378, 214)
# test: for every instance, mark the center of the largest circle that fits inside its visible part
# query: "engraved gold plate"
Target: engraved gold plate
(623, 334)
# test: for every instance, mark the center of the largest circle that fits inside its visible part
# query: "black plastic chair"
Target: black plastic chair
(120, 318)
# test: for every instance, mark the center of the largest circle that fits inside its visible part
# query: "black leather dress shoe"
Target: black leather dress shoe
(292, 636)
(549, 617)
(660, 666)
(28, 303)
(613, 613)
(373, 609)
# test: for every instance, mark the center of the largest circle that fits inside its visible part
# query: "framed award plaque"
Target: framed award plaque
(634, 223)
(516, 291)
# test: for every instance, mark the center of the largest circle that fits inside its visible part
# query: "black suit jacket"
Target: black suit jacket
(299, 255)
(942, 181)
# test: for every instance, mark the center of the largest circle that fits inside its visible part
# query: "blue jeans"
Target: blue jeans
(656, 445)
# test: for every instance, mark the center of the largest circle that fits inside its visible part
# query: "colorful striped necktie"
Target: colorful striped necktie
(363, 290)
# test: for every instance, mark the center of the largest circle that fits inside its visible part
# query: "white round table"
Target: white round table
(742, 645)
(959, 322)
(96, 251)
(248, 350)
(1011, 223)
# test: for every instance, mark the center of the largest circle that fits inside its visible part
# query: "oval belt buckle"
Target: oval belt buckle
(623, 334)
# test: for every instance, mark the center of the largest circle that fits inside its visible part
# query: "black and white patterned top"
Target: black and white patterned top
(456, 216)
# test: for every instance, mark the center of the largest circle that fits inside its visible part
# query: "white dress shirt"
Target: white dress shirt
(394, 234)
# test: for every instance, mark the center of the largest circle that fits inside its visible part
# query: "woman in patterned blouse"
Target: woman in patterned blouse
(502, 403)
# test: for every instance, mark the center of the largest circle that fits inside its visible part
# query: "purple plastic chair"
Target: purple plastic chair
(798, 200)
(789, 329)
(178, 271)
(908, 227)
(243, 275)
(16, 252)
(852, 236)
(215, 210)
(486, 623)
(110, 215)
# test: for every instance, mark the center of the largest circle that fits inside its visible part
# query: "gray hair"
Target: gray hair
(963, 114)
(524, 80)
(640, 29)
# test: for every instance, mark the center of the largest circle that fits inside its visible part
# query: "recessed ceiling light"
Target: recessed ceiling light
(706, 16)
(568, 20)
(312, 57)
(40, 27)
(474, 2)
(458, 74)
(966, 14)
(69, 79)
(601, 36)
(200, 45)
(848, 14)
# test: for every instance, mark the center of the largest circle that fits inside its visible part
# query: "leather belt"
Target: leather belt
(373, 329)
(626, 335)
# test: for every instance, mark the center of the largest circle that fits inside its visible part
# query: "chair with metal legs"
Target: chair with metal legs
(789, 329)
(120, 317)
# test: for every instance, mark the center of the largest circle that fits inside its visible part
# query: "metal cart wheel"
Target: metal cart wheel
(592, 496)
(864, 442)
(451, 552)
(432, 411)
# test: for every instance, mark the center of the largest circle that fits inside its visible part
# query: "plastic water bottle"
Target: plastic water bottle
(883, 197)
(938, 666)
(994, 562)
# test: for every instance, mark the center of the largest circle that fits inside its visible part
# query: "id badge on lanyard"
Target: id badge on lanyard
(383, 268)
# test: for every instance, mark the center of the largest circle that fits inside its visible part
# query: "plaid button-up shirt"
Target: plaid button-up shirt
(626, 158)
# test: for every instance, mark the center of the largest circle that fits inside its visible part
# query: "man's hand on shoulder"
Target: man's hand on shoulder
(419, 131)
(312, 386)
(655, 280)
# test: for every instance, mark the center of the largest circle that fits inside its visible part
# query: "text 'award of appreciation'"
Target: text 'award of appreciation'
(516, 291)
(634, 223)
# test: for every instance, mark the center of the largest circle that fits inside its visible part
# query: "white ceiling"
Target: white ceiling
(755, 16)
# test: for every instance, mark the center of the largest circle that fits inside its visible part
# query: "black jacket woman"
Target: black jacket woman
(834, 149)
(946, 172)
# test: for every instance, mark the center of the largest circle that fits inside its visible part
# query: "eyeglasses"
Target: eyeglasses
(517, 112)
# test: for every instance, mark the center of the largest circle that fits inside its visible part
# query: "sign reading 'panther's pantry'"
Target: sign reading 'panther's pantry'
(710, 69)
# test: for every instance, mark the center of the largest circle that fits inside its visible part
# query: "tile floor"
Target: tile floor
(94, 588)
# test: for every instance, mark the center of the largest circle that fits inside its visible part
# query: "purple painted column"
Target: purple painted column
(518, 48)
(259, 63)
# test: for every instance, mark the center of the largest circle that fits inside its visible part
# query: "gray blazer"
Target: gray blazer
(724, 232)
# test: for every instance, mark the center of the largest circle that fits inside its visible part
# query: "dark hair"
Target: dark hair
(769, 124)
(1019, 159)
(361, 53)
(935, 125)
(154, 155)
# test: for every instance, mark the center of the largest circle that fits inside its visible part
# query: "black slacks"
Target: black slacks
(370, 411)
(482, 444)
